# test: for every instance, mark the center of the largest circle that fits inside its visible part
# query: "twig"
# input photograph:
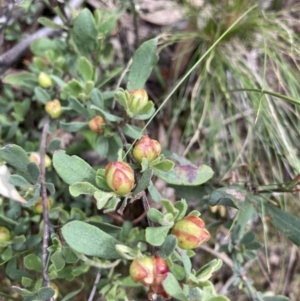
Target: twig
(92, 294)
(44, 203)
(135, 25)
(13, 55)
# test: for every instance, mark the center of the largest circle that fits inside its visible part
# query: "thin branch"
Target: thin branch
(44, 203)
(13, 55)
(92, 294)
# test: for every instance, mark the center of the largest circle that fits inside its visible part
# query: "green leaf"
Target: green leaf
(69, 255)
(155, 215)
(22, 79)
(49, 23)
(101, 181)
(40, 46)
(50, 187)
(72, 88)
(18, 181)
(74, 126)
(35, 197)
(208, 269)
(15, 156)
(182, 207)
(54, 145)
(144, 59)
(288, 224)
(132, 131)
(34, 171)
(144, 182)
(77, 106)
(97, 99)
(70, 296)
(155, 236)
(232, 196)
(173, 288)
(90, 240)
(106, 115)
(80, 188)
(84, 33)
(154, 193)
(168, 247)
(73, 169)
(45, 293)
(33, 262)
(165, 165)
(248, 238)
(58, 260)
(189, 175)
(85, 69)
(41, 95)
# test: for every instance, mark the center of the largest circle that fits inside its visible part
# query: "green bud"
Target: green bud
(138, 98)
(44, 80)
(53, 108)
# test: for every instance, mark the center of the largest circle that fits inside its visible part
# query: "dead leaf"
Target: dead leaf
(6, 189)
(161, 12)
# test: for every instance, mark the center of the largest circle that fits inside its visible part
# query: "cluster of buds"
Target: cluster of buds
(96, 124)
(53, 108)
(146, 148)
(119, 177)
(38, 207)
(44, 80)
(190, 232)
(138, 98)
(151, 272)
(36, 158)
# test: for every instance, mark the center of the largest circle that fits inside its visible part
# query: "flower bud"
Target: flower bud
(35, 157)
(138, 98)
(146, 148)
(4, 234)
(119, 177)
(151, 272)
(55, 288)
(53, 108)
(44, 80)
(38, 207)
(190, 232)
(96, 123)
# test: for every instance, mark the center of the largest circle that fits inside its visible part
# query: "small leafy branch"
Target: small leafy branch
(68, 85)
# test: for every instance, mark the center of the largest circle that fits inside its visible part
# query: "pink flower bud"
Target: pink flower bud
(36, 158)
(190, 232)
(151, 272)
(96, 124)
(44, 80)
(137, 100)
(119, 177)
(53, 108)
(146, 148)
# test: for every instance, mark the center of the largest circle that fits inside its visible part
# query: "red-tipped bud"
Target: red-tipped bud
(44, 80)
(151, 272)
(35, 157)
(38, 207)
(96, 124)
(119, 177)
(146, 148)
(190, 232)
(4, 234)
(53, 108)
(137, 100)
